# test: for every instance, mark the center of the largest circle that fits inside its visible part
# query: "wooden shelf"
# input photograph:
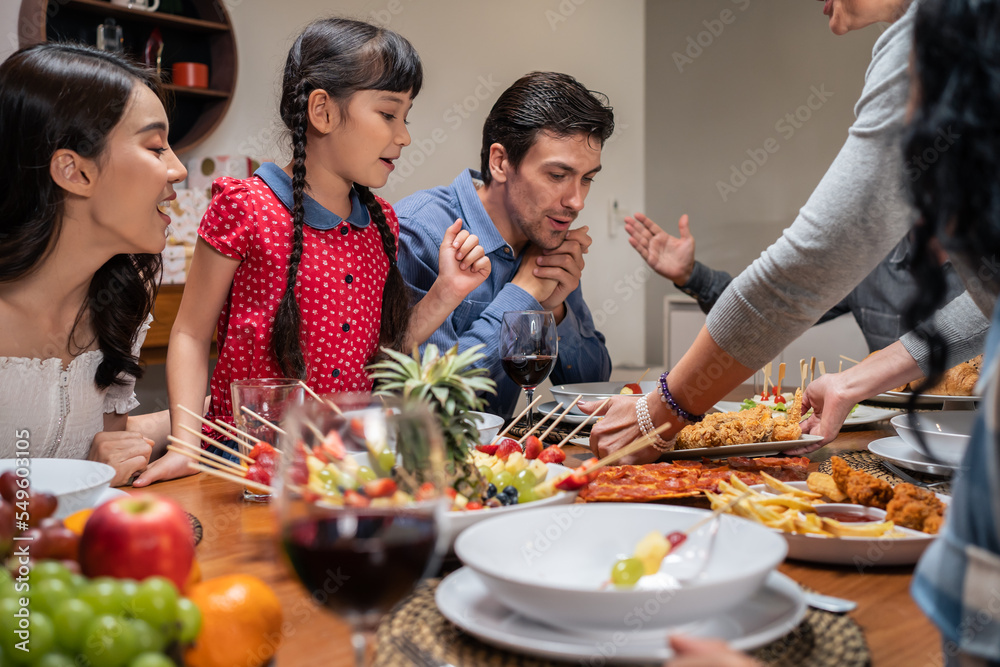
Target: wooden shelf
(105, 8)
(197, 92)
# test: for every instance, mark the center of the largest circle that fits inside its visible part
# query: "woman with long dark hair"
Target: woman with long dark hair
(84, 166)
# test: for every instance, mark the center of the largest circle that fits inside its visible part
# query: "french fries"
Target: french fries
(792, 510)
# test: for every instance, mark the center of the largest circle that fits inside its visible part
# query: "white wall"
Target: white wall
(704, 115)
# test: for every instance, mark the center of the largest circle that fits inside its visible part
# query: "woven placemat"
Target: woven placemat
(557, 434)
(872, 464)
(821, 640)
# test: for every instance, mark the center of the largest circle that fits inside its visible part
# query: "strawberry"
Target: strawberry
(571, 482)
(487, 449)
(507, 447)
(473, 505)
(354, 499)
(260, 474)
(426, 492)
(333, 447)
(552, 455)
(532, 447)
(262, 448)
(587, 464)
(380, 488)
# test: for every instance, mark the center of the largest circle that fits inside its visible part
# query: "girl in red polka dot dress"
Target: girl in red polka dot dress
(301, 260)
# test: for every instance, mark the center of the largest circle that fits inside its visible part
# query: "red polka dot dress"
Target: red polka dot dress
(338, 289)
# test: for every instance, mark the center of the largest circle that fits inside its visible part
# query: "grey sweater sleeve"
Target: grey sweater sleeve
(853, 218)
(963, 327)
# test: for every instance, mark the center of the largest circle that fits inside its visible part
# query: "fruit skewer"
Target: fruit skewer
(189, 450)
(242, 457)
(516, 419)
(586, 421)
(539, 423)
(236, 479)
(274, 427)
(559, 418)
(322, 400)
(214, 426)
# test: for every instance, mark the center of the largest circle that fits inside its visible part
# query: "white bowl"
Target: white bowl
(550, 563)
(489, 426)
(76, 484)
(946, 433)
(594, 391)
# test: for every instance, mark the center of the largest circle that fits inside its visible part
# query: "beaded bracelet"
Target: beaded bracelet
(646, 425)
(667, 398)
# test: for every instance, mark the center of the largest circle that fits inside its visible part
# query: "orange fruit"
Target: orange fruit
(195, 575)
(241, 622)
(78, 520)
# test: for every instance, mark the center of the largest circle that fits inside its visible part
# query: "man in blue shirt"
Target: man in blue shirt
(541, 149)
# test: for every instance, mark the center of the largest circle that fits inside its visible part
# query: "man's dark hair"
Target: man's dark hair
(549, 102)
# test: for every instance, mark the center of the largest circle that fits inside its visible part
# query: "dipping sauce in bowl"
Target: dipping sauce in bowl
(849, 513)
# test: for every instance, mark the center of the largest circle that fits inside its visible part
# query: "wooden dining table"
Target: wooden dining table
(240, 537)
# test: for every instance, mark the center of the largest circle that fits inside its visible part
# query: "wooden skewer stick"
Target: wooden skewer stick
(315, 431)
(767, 375)
(812, 368)
(716, 512)
(822, 368)
(539, 424)
(840, 367)
(639, 381)
(516, 419)
(781, 376)
(201, 452)
(213, 425)
(559, 418)
(331, 404)
(853, 361)
(233, 434)
(804, 372)
(206, 461)
(256, 486)
(273, 427)
(242, 457)
(631, 448)
(586, 421)
(250, 438)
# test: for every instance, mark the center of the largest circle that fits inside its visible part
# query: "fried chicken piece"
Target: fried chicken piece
(916, 508)
(861, 488)
(728, 428)
(789, 429)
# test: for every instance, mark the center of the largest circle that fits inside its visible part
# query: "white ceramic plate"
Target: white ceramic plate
(864, 414)
(861, 552)
(758, 448)
(896, 450)
(903, 397)
(774, 611)
(573, 418)
(594, 391)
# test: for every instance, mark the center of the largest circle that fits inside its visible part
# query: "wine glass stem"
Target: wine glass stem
(362, 642)
(530, 394)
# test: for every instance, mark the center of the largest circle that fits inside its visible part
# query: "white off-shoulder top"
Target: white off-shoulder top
(60, 409)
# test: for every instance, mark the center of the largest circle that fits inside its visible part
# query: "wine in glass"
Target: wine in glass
(360, 501)
(529, 346)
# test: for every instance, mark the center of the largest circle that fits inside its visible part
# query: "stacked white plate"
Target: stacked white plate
(536, 583)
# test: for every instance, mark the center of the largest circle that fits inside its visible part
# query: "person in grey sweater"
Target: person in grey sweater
(877, 303)
(852, 220)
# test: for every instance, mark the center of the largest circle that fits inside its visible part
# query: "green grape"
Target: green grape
(190, 618)
(8, 624)
(56, 660)
(51, 569)
(104, 596)
(347, 481)
(71, 618)
(503, 480)
(150, 659)
(386, 460)
(486, 473)
(7, 586)
(49, 594)
(328, 476)
(43, 635)
(156, 603)
(366, 474)
(78, 581)
(109, 642)
(526, 496)
(524, 481)
(627, 572)
(148, 639)
(128, 588)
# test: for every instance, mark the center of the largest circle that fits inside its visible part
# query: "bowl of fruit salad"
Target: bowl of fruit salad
(76, 484)
(601, 567)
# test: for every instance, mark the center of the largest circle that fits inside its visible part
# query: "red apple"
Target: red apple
(136, 537)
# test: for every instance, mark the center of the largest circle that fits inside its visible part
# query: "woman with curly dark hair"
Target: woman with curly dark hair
(84, 166)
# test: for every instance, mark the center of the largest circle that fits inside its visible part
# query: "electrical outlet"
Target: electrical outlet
(616, 216)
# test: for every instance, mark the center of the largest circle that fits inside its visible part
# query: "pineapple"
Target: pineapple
(447, 383)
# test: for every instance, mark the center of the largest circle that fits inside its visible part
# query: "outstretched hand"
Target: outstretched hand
(617, 429)
(670, 256)
(830, 405)
(169, 466)
(462, 262)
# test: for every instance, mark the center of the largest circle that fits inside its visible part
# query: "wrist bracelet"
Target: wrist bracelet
(646, 426)
(667, 398)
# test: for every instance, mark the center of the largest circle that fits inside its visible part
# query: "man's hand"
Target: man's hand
(526, 277)
(671, 257)
(125, 451)
(564, 265)
(462, 263)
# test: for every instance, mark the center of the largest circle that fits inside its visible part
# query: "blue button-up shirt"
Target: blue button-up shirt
(423, 218)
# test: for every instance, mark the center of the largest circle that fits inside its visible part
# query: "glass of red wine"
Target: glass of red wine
(529, 346)
(361, 497)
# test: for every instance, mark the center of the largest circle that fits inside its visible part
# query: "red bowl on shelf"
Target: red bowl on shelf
(191, 75)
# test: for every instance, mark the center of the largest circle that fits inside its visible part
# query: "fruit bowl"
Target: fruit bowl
(76, 484)
(946, 433)
(489, 426)
(550, 564)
